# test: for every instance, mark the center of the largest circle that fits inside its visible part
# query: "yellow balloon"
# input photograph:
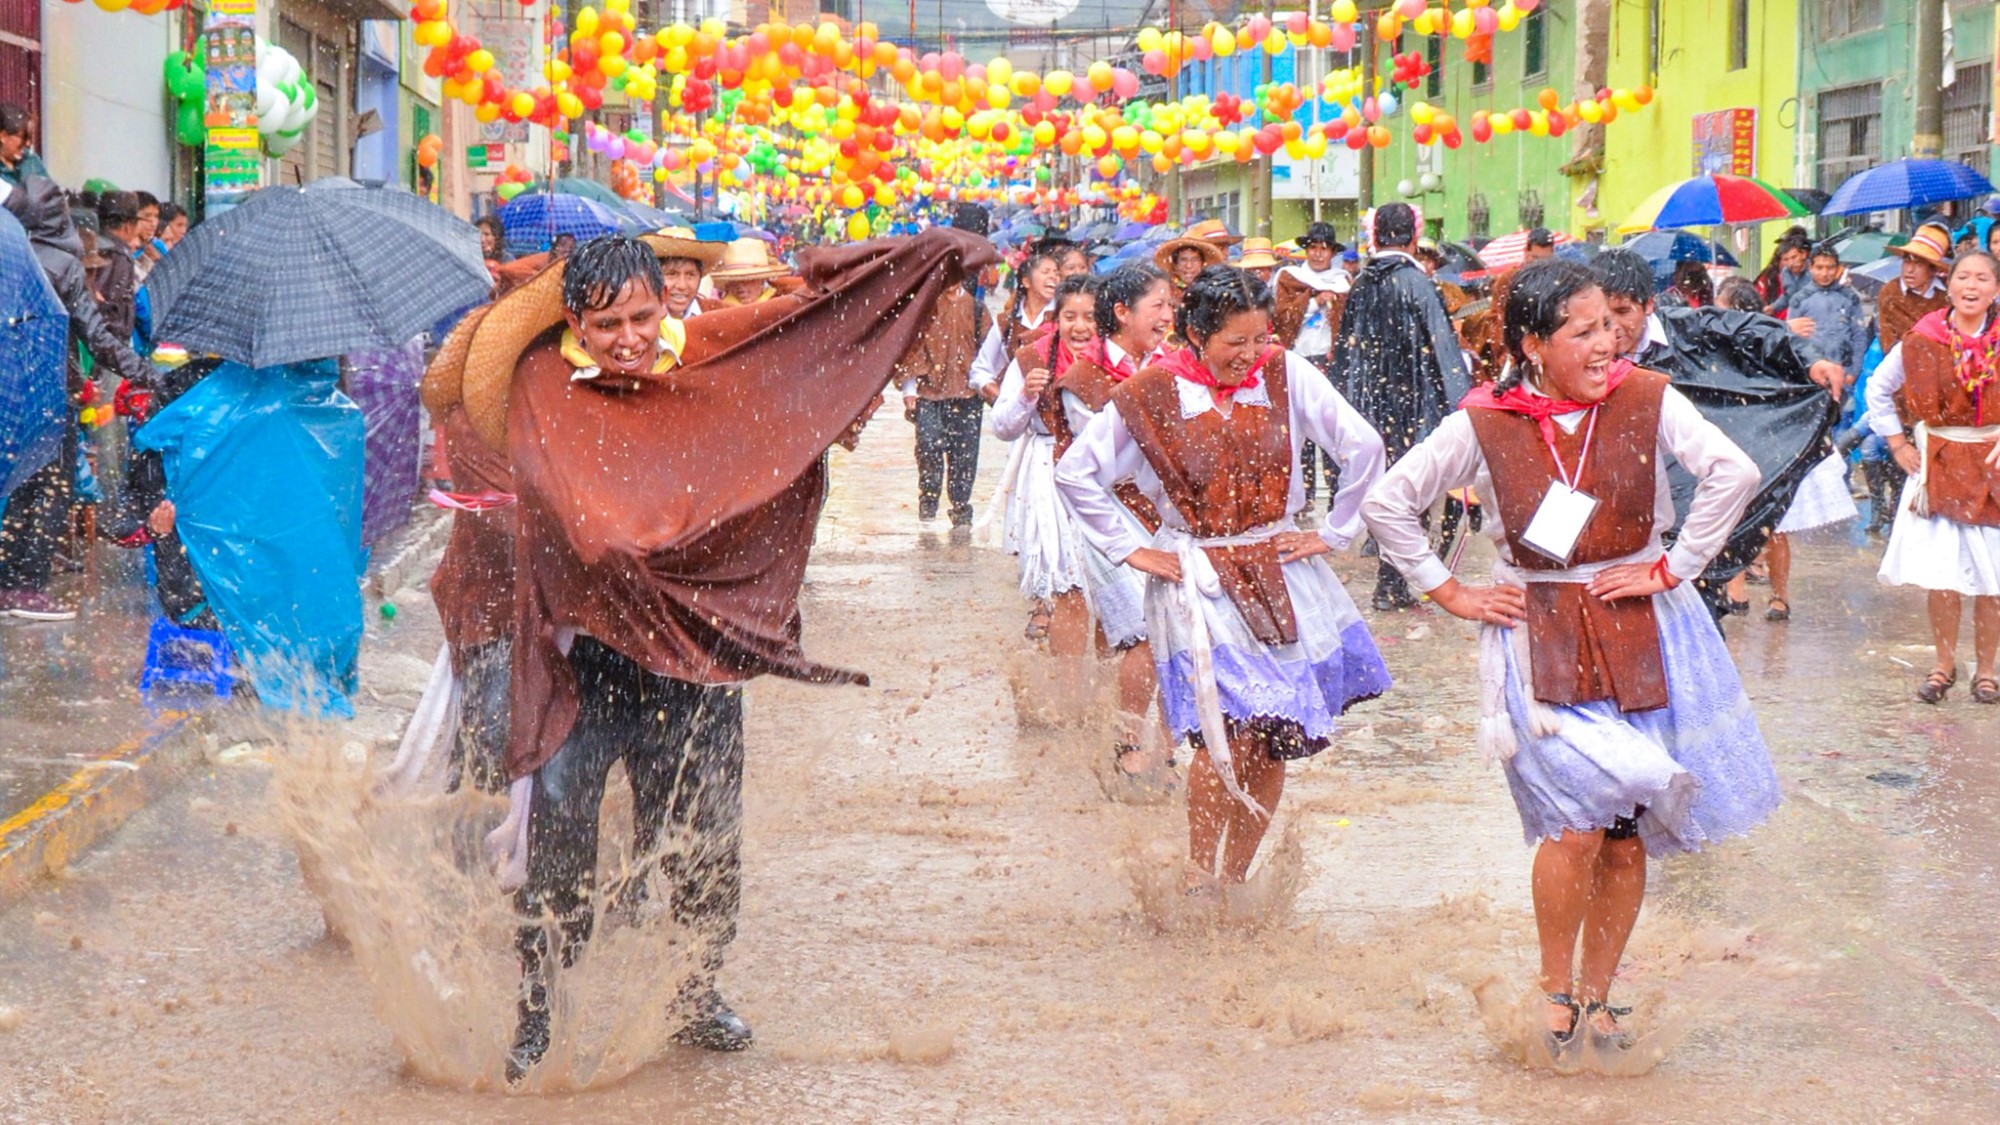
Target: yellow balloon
(1343, 11)
(1100, 76)
(1274, 44)
(1226, 143)
(1502, 124)
(1151, 141)
(586, 23)
(1295, 149)
(1510, 17)
(1026, 84)
(1149, 40)
(857, 227)
(1000, 72)
(1058, 82)
(1223, 42)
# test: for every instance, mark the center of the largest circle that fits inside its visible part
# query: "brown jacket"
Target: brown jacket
(942, 355)
(1896, 312)
(1580, 647)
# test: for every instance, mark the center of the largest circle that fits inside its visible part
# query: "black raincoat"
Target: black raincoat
(1747, 374)
(1397, 358)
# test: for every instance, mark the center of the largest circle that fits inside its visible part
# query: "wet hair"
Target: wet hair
(1623, 273)
(596, 272)
(1538, 306)
(169, 211)
(1123, 286)
(146, 199)
(1071, 286)
(117, 209)
(1692, 279)
(1992, 263)
(1395, 225)
(14, 120)
(1218, 293)
(1740, 293)
(1825, 250)
(1541, 236)
(492, 223)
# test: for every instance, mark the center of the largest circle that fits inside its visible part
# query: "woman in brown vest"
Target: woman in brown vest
(1257, 646)
(1940, 383)
(1616, 709)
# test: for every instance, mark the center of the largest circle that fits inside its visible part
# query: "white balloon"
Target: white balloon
(273, 120)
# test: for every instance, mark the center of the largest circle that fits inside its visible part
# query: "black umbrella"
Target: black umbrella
(293, 274)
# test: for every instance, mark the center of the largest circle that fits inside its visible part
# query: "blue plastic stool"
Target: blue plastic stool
(177, 655)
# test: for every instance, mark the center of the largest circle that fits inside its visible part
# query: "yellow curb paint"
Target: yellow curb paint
(38, 838)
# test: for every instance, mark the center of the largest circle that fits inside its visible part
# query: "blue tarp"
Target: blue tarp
(34, 332)
(264, 468)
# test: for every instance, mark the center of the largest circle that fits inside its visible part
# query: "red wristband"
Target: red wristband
(1665, 576)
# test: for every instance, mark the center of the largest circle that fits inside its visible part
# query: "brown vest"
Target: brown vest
(1897, 312)
(1582, 648)
(1225, 476)
(1959, 484)
(1092, 385)
(942, 354)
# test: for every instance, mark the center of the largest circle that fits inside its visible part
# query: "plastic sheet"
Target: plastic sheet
(264, 468)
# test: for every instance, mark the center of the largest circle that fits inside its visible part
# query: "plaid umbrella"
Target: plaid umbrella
(293, 274)
(34, 331)
(1905, 183)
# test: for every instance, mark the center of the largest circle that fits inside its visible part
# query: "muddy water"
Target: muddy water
(945, 920)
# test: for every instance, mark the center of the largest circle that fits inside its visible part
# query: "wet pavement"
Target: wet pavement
(945, 920)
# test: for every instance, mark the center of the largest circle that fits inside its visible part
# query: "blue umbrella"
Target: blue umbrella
(532, 221)
(1673, 246)
(34, 332)
(1130, 230)
(1906, 183)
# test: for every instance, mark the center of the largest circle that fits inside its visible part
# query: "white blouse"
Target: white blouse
(991, 360)
(1105, 453)
(1014, 412)
(1451, 459)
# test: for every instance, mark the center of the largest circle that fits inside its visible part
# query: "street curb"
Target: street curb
(40, 840)
(423, 537)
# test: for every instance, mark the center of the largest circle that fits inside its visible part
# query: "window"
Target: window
(1850, 133)
(1530, 205)
(1434, 55)
(1739, 34)
(1846, 17)
(1482, 75)
(1535, 43)
(1478, 216)
(1968, 107)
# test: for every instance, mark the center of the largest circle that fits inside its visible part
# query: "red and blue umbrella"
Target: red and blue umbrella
(1905, 183)
(1713, 200)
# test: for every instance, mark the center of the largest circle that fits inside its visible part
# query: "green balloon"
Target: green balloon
(189, 128)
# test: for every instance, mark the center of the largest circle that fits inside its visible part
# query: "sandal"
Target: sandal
(1558, 1040)
(1738, 609)
(1985, 689)
(1778, 609)
(1935, 685)
(1137, 787)
(1617, 1039)
(1038, 622)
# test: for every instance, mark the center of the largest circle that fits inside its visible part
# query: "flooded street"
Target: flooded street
(945, 920)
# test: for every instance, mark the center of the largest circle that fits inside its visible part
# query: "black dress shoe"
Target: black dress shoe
(531, 1035)
(927, 510)
(961, 516)
(715, 1027)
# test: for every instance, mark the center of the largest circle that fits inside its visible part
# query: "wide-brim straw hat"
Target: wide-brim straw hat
(1931, 243)
(1257, 254)
(475, 367)
(680, 242)
(1214, 231)
(1212, 254)
(746, 259)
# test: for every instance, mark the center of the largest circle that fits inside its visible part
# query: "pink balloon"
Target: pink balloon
(1343, 37)
(1485, 21)
(951, 65)
(1201, 48)
(1155, 62)
(1259, 27)
(1043, 101)
(1124, 84)
(1527, 5)
(975, 73)
(1298, 23)
(1409, 9)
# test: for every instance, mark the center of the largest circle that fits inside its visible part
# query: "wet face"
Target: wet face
(682, 280)
(1918, 274)
(1074, 263)
(1142, 326)
(1574, 362)
(1234, 348)
(1262, 273)
(1187, 265)
(1972, 288)
(561, 247)
(1825, 269)
(1319, 257)
(1793, 259)
(489, 242)
(1043, 277)
(1535, 253)
(623, 338)
(1628, 319)
(149, 221)
(1076, 320)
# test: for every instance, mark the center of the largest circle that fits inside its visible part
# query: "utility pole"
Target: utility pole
(1176, 214)
(1364, 195)
(1260, 171)
(1927, 138)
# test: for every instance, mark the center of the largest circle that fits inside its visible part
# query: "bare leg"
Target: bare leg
(1263, 777)
(1616, 893)
(1069, 628)
(1208, 813)
(1985, 633)
(1137, 683)
(1944, 607)
(1778, 558)
(1564, 875)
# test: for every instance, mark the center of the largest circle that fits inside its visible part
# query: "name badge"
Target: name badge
(1559, 522)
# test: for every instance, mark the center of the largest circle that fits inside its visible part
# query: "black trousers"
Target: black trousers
(37, 521)
(682, 746)
(947, 445)
(479, 748)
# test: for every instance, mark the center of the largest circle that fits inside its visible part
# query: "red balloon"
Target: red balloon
(1522, 119)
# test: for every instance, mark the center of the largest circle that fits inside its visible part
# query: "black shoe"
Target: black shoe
(961, 515)
(927, 510)
(715, 1027)
(1390, 603)
(531, 1035)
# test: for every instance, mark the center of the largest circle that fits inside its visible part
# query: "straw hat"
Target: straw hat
(1214, 231)
(1257, 254)
(1931, 243)
(680, 242)
(475, 367)
(746, 259)
(1211, 253)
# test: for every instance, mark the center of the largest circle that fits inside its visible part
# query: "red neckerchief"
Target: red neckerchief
(1518, 400)
(1186, 365)
(1975, 360)
(1057, 355)
(1120, 371)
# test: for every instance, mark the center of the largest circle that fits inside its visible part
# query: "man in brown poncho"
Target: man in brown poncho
(669, 477)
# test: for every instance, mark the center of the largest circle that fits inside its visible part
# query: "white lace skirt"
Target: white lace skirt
(1822, 499)
(1936, 553)
(1040, 528)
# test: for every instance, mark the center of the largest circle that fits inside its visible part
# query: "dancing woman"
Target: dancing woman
(1946, 539)
(1257, 646)
(1617, 711)
(1026, 317)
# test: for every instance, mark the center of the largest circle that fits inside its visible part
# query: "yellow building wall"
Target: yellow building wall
(1655, 147)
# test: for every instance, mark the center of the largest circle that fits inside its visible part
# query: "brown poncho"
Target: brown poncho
(672, 522)
(474, 581)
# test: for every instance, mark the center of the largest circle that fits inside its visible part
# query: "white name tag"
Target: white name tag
(1559, 522)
